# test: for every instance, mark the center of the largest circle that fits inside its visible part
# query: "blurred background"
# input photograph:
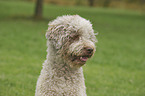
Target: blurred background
(116, 69)
(131, 4)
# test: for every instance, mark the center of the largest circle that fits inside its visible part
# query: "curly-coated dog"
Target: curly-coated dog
(70, 41)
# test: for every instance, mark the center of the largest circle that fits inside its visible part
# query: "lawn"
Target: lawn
(117, 68)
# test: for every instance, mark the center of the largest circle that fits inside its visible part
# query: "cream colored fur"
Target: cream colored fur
(60, 76)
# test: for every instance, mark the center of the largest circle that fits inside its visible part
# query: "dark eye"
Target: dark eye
(76, 37)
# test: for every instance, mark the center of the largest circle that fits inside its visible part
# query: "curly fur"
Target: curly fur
(68, 39)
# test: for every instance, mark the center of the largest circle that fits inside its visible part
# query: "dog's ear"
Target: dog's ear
(56, 35)
(47, 34)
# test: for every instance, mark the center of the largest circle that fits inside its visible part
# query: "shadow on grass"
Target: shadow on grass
(27, 18)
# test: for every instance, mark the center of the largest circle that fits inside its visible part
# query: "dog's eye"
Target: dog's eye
(76, 37)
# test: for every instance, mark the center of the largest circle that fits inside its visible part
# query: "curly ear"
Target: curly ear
(47, 34)
(55, 34)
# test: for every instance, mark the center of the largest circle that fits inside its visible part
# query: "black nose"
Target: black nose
(89, 50)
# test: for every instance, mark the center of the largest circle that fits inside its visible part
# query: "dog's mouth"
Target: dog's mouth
(80, 59)
(83, 58)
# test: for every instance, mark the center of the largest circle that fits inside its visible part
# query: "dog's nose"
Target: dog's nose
(89, 50)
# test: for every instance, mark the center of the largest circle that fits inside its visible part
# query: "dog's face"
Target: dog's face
(73, 39)
(81, 48)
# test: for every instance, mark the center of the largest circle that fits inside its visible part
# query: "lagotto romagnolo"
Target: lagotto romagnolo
(70, 41)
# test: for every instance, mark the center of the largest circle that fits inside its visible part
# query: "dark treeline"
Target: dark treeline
(126, 4)
(103, 3)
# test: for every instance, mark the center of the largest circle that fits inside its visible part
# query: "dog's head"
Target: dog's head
(73, 38)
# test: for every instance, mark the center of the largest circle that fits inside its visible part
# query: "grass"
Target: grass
(117, 68)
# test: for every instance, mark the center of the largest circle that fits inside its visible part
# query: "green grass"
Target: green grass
(117, 68)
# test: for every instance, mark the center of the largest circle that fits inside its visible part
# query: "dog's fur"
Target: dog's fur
(70, 41)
